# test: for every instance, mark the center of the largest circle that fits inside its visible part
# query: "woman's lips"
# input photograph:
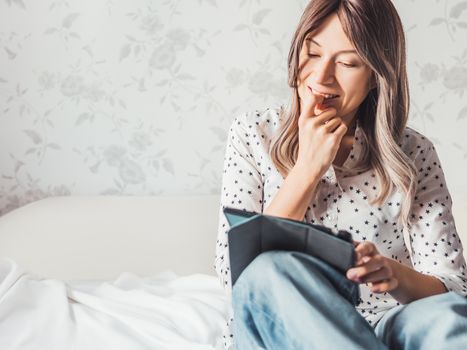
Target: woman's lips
(326, 102)
(316, 92)
(330, 100)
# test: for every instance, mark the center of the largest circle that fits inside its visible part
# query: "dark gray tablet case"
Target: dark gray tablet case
(252, 233)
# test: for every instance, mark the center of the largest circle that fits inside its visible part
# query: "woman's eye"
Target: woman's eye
(348, 65)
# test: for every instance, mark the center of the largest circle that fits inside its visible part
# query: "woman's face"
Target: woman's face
(329, 64)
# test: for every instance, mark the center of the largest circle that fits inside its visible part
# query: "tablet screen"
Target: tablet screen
(236, 216)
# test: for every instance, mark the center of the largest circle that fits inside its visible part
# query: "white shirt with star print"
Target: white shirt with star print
(250, 181)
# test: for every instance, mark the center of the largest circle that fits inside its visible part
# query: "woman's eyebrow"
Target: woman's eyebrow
(343, 51)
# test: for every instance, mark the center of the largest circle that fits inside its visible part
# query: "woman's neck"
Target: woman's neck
(346, 144)
(351, 128)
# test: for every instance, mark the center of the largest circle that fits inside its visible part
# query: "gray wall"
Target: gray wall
(136, 97)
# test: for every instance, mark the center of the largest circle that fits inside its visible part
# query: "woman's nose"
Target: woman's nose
(324, 73)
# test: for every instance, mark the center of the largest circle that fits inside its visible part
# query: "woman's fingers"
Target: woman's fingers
(332, 124)
(325, 116)
(367, 265)
(385, 286)
(373, 269)
(376, 276)
(376, 273)
(365, 248)
(341, 130)
(310, 100)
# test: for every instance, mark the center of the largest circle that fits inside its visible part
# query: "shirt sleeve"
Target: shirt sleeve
(242, 188)
(437, 248)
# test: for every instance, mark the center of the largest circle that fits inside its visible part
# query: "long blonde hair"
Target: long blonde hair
(376, 31)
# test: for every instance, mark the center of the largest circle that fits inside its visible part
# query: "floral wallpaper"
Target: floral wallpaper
(136, 97)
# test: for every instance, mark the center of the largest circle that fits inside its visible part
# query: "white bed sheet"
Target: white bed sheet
(165, 311)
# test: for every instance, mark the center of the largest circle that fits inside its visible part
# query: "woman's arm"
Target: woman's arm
(413, 285)
(294, 196)
(384, 274)
(438, 264)
(242, 188)
(320, 136)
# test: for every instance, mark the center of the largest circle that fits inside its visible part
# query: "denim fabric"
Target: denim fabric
(432, 323)
(291, 300)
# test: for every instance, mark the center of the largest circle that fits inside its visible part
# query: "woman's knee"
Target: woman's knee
(436, 303)
(274, 267)
(426, 323)
(258, 278)
(447, 308)
(263, 268)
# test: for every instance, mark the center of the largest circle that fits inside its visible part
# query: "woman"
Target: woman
(342, 157)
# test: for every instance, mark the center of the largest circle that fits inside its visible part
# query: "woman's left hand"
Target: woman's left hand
(373, 268)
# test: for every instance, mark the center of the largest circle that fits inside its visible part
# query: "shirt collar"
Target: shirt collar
(356, 149)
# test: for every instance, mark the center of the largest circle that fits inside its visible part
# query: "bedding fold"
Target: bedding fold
(165, 311)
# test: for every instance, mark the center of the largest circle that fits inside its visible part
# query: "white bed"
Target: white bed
(111, 273)
(105, 272)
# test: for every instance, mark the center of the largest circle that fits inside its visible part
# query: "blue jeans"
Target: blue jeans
(291, 300)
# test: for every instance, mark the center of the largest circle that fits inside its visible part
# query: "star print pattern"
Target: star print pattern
(250, 180)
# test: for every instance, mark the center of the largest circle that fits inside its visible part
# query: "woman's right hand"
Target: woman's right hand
(320, 135)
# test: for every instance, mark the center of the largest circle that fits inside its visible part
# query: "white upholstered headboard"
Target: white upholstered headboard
(98, 237)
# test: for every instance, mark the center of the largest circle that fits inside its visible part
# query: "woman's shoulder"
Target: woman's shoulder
(263, 123)
(414, 143)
